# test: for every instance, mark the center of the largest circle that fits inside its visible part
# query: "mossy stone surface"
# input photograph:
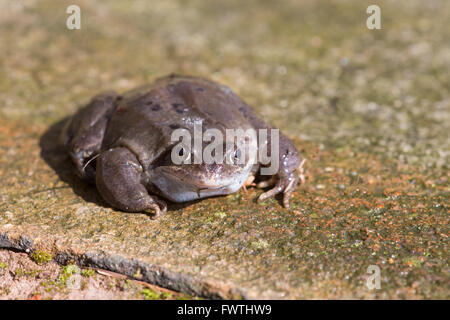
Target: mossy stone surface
(368, 109)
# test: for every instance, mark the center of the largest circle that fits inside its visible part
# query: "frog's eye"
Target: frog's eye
(184, 154)
(235, 157)
(180, 154)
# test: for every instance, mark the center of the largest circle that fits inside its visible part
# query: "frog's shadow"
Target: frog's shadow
(57, 158)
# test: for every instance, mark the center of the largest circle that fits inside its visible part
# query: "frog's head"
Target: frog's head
(187, 182)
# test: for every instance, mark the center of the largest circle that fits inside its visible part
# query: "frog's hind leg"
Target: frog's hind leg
(83, 134)
(119, 182)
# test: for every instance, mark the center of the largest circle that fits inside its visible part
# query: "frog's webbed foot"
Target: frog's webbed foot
(118, 180)
(159, 207)
(285, 185)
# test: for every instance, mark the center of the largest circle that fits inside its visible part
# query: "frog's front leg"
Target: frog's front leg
(290, 172)
(286, 179)
(118, 180)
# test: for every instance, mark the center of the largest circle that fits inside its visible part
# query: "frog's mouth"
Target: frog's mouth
(179, 188)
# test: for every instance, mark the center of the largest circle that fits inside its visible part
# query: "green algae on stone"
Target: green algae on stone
(67, 273)
(41, 257)
(149, 294)
(20, 272)
(87, 272)
(2, 267)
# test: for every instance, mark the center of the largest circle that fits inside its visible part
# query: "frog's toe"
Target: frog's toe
(282, 185)
(301, 171)
(159, 208)
(287, 193)
(272, 192)
(267, 183)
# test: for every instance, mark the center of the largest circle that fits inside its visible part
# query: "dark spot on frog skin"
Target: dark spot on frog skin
(179, 108)
(199, 89)
(243, 110)
(156, 107)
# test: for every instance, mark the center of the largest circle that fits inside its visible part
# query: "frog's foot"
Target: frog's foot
(285, 185)
(267, 183)
(301, 171)
(282, 185)
(118, 180)
(159, 208)
(249, 182)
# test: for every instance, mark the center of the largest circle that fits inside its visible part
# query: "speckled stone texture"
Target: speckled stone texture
(369, 109)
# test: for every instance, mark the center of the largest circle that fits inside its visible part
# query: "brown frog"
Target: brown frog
(123, 144)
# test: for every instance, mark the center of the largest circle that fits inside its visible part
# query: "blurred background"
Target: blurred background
(311, 67)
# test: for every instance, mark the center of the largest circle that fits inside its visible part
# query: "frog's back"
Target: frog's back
(145, 117)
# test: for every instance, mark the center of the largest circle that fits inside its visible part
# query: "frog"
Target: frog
(122, 144)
